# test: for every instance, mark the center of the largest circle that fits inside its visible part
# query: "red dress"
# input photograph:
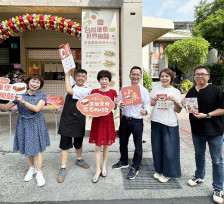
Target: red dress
(102, 130)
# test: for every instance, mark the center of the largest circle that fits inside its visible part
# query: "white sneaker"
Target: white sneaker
(30, 173)
(218, 196)
(40, 179)
(156, 175)
(194, 181)
(164, 179)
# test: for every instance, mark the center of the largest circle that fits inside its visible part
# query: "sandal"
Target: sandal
(96, 178)
(103, 173)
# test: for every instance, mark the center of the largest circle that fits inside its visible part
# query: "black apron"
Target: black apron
(72, 123)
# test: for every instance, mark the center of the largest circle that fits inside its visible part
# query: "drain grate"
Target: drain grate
(145, 179)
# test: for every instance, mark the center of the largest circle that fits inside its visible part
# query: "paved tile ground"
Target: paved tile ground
(78, 185)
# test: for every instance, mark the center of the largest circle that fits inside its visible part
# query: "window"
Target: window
(156, 47)
(165, 45)
(4, 56)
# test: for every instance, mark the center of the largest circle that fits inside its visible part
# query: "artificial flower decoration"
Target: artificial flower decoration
(17, 24)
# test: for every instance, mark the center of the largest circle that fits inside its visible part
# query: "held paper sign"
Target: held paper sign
(95, 105)
(162, 102)
(131, 95)
(66, 58)
(192, 105)
(9, 91)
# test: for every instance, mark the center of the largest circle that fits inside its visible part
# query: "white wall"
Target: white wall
(49, 39)
(145, 58)
(44, 39)
(131, 38)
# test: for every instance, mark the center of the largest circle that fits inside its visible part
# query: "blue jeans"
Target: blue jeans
(134, 126)
(166, 149)
(215, 148)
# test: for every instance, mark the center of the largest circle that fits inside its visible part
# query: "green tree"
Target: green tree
(210, 22)
(186, 85)
(217, 74)
(187, 54)
(147, 81)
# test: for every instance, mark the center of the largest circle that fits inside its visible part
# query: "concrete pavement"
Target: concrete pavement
(78, 186)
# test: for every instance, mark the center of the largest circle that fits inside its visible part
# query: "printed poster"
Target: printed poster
(95, 105)
(100, 48)
(192, 105)
(162, 102)
(100, 44)
(9, 91)
(66, 57)
(131, 95)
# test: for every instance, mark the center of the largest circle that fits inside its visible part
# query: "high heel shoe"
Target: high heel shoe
(96, 178)
(104, 173)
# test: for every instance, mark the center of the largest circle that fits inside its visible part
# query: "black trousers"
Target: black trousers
(128, 126)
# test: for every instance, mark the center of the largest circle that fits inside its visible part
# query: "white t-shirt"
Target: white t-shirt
(78, 92)
(165, 116)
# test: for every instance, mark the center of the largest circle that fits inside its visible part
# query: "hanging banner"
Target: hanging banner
(100, 47)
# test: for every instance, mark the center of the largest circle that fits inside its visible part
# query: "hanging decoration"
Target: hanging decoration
(26, 22)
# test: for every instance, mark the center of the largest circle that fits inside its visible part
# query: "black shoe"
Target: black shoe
(119, 165)
(132, 173)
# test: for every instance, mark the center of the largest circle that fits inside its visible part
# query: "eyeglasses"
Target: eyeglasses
(200, 75)
(136, 75)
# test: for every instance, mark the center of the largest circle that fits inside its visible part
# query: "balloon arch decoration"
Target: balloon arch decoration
(38, 21)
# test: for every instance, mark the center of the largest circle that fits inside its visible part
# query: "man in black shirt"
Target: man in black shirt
(207, 126)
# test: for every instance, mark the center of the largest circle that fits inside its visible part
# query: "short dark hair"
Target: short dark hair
(202, 67)
(136, 67)
(35, 76)
(104, 73)
(169, 72)
(82, 71)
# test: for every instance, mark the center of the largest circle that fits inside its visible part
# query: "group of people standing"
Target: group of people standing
(31, 137)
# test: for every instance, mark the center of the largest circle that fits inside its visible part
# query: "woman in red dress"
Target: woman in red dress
(102, 130)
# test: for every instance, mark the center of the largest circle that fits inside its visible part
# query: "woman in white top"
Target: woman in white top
(164, 128)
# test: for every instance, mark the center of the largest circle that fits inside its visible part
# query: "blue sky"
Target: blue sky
(176, 10)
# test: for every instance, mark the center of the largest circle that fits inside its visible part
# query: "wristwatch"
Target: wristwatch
(208, 116)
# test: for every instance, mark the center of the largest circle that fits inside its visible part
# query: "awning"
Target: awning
(153, 28)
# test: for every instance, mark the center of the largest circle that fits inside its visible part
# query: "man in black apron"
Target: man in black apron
(72, 123)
